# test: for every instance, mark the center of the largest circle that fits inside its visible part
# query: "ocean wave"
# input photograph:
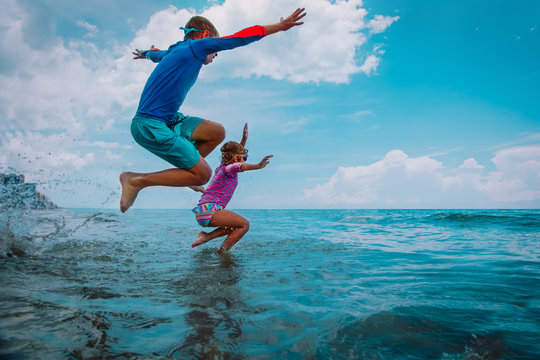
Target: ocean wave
(500, 218)
(436, 217)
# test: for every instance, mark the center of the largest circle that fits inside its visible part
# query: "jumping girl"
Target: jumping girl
(210, 212)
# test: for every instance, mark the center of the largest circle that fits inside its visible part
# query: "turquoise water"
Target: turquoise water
(302, 284)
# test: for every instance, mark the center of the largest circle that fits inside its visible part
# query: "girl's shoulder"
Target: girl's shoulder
(231, 169)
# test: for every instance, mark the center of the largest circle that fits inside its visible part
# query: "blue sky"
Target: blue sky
(373, 104)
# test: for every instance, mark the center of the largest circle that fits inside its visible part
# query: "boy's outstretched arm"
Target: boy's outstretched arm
(262, 164)
(287, 23)
(207, 45)
(143, 54)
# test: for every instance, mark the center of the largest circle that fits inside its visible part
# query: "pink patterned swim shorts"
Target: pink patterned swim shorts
(204, 212)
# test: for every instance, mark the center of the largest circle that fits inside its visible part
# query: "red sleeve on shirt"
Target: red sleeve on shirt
(202, 47)
(256, 30)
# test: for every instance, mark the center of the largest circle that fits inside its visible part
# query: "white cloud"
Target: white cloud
(361, 113)
(517, 177)
(91, 28)
(370, 65)
(31, 151)
(52, 97)
(109, 155)
(62, 87)
(400, 181)
(470, 163)
(103, 145)
(58, 87)
(380, 23)
(294, 126)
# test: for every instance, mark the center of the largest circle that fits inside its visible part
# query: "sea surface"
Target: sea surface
(302, 284)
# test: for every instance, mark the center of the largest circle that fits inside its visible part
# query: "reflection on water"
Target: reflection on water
(209, 290)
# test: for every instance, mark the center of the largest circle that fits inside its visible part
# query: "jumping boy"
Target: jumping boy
(183, 141)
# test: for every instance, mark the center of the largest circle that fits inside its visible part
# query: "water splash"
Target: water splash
(29, 232)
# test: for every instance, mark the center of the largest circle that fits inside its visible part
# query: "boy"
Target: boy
(183, 141)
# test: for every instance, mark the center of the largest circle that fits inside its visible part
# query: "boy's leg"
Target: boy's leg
(205, 237)
(208, 135)
(205, 135)
(227, 219)
(174, 147)
(132, 183)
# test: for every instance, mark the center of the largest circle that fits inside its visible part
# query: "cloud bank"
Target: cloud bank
(329, 47)
(399, 181)
(54, 94)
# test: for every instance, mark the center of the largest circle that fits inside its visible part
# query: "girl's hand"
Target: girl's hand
(265, 161)
(244, 135)
(262, 164)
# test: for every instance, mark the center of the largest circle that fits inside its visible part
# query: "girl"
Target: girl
(210, 212)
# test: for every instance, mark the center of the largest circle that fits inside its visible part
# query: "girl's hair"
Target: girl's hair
(229, 150)
(200, 23)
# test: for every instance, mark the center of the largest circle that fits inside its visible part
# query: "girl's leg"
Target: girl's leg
(132, 183)
(237, 225)
(204, 236)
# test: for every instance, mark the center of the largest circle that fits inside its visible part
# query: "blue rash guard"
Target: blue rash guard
(179, 67)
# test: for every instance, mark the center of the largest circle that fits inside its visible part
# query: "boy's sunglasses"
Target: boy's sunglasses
(245, 155)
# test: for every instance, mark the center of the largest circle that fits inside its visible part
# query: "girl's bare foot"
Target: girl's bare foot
(129, 192)
(201, 239)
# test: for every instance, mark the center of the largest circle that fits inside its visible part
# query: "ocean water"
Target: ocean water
(302, 284)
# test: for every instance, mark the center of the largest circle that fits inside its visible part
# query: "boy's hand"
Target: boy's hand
(287, 23)
(293, 19)
(244, 135)
(138, 53)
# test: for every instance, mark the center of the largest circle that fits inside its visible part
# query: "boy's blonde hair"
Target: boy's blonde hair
(229, 150)
(200, 23)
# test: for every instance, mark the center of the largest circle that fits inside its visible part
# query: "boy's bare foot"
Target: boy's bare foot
(129, 192)
(201, 239)
(198, 188)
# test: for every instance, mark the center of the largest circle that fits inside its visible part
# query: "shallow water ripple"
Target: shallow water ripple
(315, 284)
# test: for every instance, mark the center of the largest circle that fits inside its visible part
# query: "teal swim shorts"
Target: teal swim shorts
(174, 144)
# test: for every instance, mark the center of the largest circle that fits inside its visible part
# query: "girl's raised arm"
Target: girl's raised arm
(244, 136)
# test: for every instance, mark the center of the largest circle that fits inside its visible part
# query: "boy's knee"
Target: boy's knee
(204, 176)
(245, 225)
(202, 172)
(220, 132)
(215, 130)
